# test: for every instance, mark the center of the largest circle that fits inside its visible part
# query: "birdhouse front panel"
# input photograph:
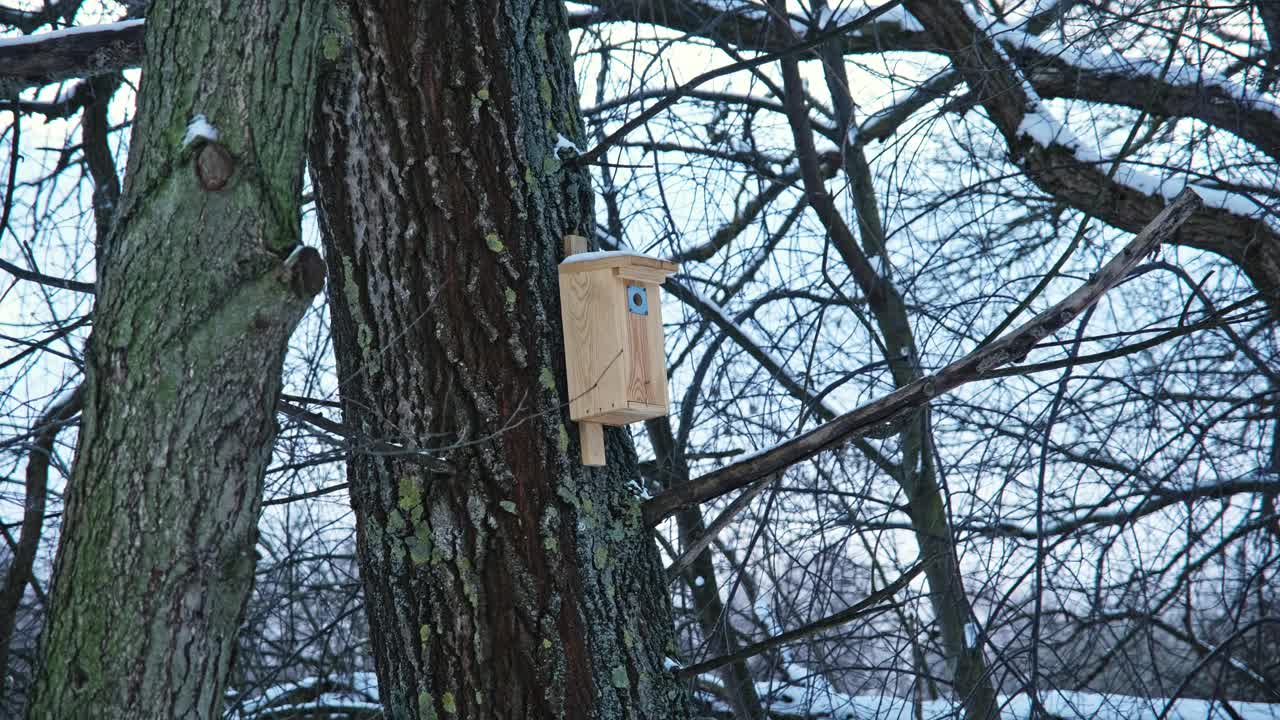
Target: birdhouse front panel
(595, 342)
(647, 365)
(611, 309)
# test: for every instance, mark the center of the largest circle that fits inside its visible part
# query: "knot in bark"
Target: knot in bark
(304, 272)
(214, 166)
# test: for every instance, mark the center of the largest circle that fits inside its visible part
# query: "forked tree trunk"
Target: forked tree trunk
(198, 292)
(522, 585)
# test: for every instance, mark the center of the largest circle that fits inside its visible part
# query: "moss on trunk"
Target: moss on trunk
(197, 295)
(523, 584)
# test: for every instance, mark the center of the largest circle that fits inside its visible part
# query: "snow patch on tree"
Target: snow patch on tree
(199, 128)
(564, 143)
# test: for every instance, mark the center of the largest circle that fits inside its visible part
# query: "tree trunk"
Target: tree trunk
(523, 584)
(200, 284)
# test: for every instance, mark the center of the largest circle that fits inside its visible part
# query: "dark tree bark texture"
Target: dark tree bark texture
(522, 584)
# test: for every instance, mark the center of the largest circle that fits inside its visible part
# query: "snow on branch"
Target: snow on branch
(1177, 74)
(31, 60)
(57, 36)
(1045, 130)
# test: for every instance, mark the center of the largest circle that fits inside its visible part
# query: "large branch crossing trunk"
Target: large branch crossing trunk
(522, 584)
(200, 284)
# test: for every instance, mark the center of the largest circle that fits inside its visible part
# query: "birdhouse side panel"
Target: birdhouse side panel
(595, 346)
(658, 353)
(647, 372)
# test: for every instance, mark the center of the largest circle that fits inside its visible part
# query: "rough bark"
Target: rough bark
(522, 584)
(197, 295)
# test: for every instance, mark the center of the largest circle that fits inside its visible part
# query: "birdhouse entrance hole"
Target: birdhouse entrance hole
(638, 300)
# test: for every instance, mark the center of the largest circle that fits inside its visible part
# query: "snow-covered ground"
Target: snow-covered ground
(810, 699)
(1066, 705)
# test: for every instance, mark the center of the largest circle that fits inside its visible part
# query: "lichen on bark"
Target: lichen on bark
(198, 291)
(440, 191)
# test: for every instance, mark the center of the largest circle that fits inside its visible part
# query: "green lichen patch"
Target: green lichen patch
(547, 379)
(395, 522)
(539, 30)
(494, 243)
(330, 46)
(426, 705)
(421, 548)
(508, 506)
(410, 495)
(447, 702)
(619, 677)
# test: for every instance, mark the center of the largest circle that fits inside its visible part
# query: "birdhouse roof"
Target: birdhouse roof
(584, 262)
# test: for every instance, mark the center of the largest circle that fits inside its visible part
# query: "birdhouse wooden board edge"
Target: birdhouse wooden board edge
(624, 259)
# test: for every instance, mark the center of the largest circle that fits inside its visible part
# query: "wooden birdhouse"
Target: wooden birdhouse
(611, 309)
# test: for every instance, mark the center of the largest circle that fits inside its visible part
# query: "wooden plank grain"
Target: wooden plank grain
(595, 348)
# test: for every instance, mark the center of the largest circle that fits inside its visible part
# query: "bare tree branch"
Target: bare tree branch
(15, 582)
(869, 604)
(1249, 242)
(77, 52)
(975, 366)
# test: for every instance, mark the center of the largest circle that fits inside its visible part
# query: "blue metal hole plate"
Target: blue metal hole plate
(638, 299)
